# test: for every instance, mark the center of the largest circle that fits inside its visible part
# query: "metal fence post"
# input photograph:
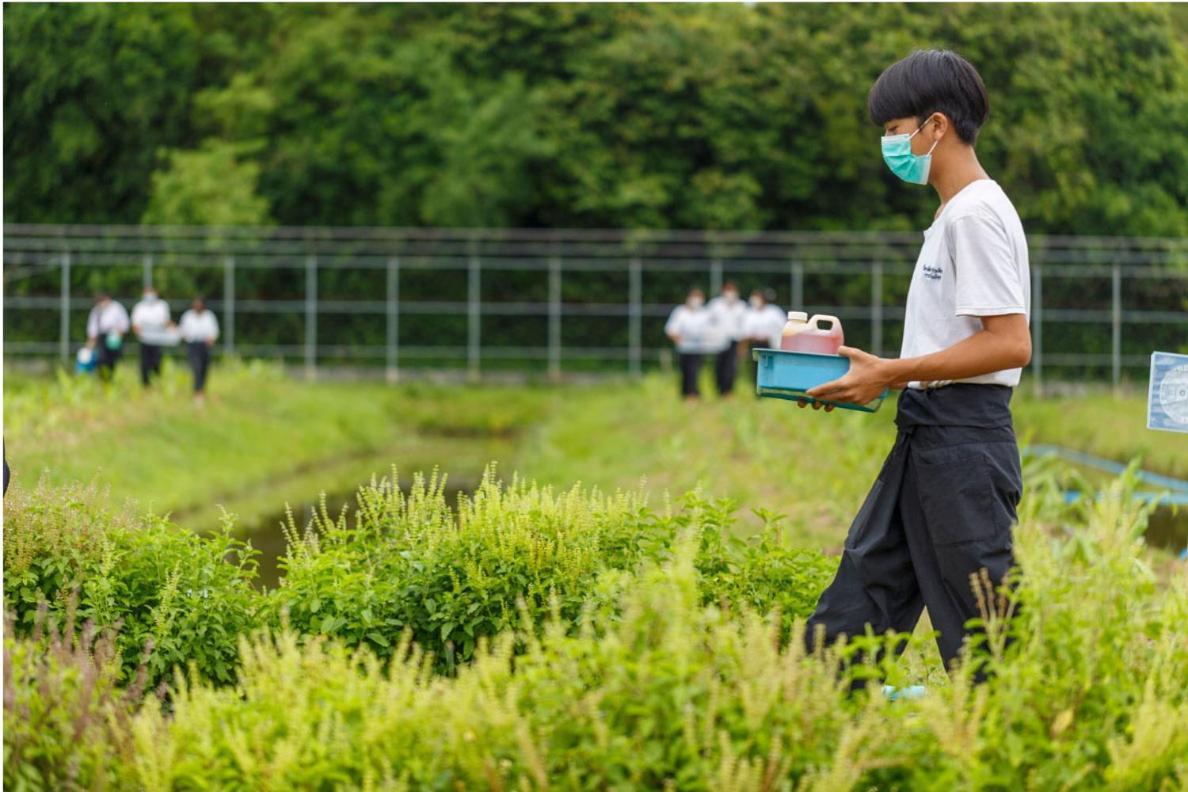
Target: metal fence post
(1116, 317)
(64, 321)
(1037, 332)
(715, 277)
(229, 305)
(474, 316)
(147, 270)
(634, 316)
(311, 316)
(796, 286)
(555, 317)
(876, 308)
(393, 346)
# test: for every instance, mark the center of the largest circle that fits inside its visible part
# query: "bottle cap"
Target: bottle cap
(797, 316)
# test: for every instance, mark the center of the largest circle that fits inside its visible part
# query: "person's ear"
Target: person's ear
(940, 126)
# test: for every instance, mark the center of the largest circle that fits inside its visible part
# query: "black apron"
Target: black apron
(941, 510)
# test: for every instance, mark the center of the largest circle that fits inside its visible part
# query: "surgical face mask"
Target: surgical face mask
(696, 302)
(897, 153)
(730, 296)
(756, 302)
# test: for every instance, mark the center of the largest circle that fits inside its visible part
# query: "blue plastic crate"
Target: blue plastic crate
(787, 375)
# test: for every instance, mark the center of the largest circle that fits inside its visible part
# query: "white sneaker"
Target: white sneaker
(910, 692)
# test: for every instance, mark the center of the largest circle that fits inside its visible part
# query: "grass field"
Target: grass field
(264, 440)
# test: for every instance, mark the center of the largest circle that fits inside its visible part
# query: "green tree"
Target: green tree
(211, 185)
(91, 91)
(644, 116)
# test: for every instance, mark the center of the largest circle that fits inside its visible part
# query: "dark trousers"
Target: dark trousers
(107, 360)
(690, 370)
(199, 355)
(150, 362)
(941, 510)
(726, 368)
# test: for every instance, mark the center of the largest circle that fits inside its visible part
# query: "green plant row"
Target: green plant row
(407, 561)
(663, 691)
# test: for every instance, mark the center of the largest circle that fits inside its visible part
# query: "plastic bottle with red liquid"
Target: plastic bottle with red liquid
(802, 334)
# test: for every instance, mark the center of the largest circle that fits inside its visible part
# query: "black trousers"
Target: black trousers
(690, 370)
(150, 362)
(941, 510)
(726, 368)
(107, 359)
(199, 355)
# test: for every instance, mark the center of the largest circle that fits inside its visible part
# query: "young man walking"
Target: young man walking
(150, 323)
(199, 330)
(729, 312)
(943, 506)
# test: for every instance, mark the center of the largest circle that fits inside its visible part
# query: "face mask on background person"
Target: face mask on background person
(695, 302)
(730, 295)
(756, 303)
(897, 153)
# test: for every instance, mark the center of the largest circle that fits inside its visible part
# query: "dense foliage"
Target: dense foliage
(174, 596)
(717, 116)
(409, 562)
(662, 691)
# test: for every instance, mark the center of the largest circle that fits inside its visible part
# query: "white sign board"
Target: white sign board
(1167, 399)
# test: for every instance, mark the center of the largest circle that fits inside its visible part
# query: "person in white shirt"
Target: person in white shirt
(729, 312)
(199, 329)
(694, 330)
(944, 505)
(764, 322)
(151, 322)
(106, 326)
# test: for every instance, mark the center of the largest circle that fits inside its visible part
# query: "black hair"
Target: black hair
(927, 82)
(769, 295)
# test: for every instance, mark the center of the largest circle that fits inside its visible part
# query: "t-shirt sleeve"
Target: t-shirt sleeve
(989, 279)
(674, 321)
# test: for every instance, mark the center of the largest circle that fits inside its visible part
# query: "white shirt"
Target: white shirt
(765, 325)
(198, 326)
(109, 318)
(973, 263)
(698, 329)
(151, 314)
(730, 315)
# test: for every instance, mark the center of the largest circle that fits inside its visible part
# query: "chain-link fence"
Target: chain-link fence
(557, 301)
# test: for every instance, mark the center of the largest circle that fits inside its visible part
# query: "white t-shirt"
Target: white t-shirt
(730, 315)
(151, 314)
(109, 318)
(765, 325)
(699, 330)
(973, 264)
(198, 326)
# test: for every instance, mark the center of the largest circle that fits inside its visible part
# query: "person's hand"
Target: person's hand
(210, 342)
(867, 378)
(90, 343)
(816, 405)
